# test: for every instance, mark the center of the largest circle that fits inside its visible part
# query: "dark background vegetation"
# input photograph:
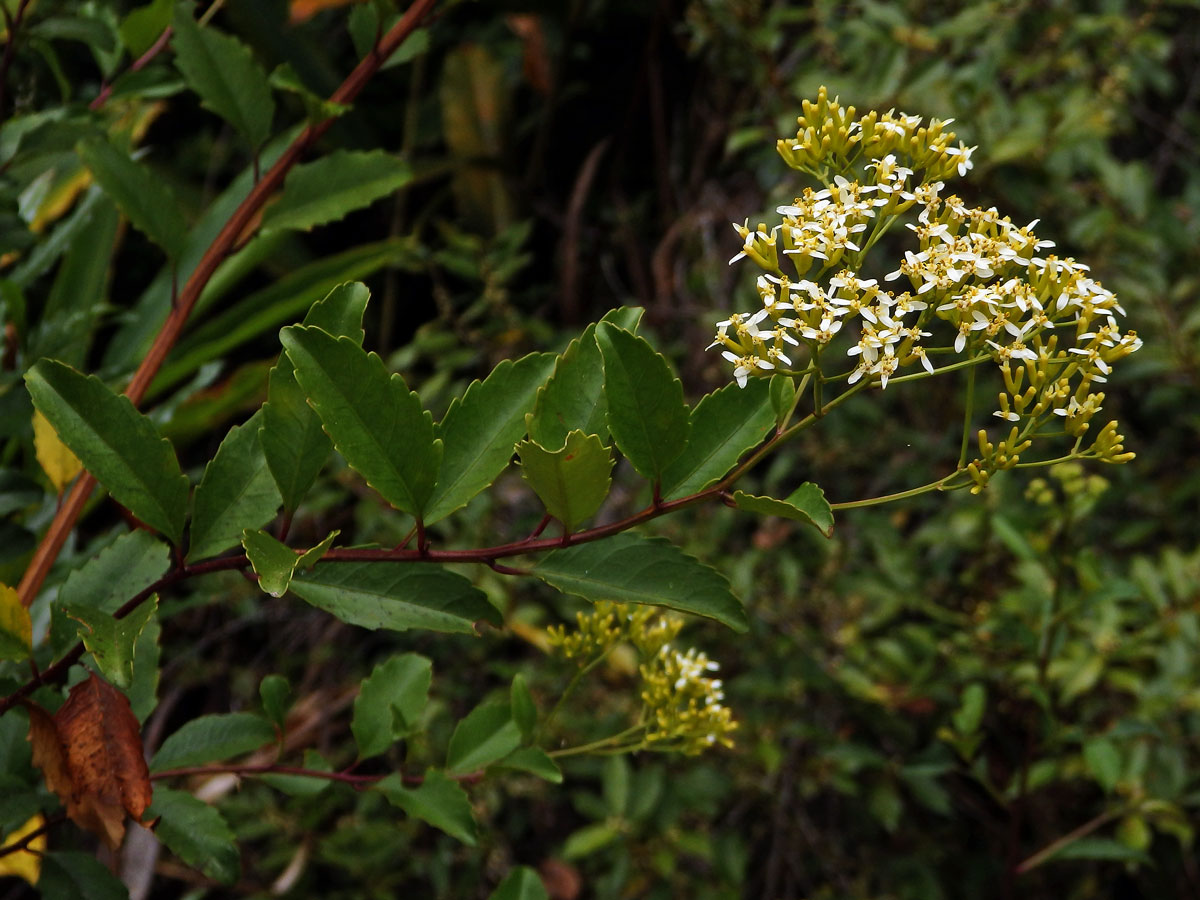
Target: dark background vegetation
(927, 700)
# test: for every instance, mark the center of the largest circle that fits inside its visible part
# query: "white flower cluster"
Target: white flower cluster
(974, 270)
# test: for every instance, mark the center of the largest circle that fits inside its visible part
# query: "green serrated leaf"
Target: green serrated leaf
(646, 413)
(627, 317)
(805, 504)
(131, 563)
(236, 493)
(397, 596)
(437, 800)
(629, 568)
(197, 833)
(276, 696)
(112, 642)
(522, 883)
(524, 710)
(116, 443)
(480, 429)
(487, 734)
(390, 703)
(571, 482)
(224, 73)
(573, 398)
(276, 563)
(273, 561)
(535, 761)
(212, 738)
(374, 420)
(154, 213)
(293, 441)
(724, 426)
(326, 190)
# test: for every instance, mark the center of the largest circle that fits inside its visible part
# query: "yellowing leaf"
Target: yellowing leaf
(27, 863)
(16, 630)
(60, 464)
(60, 198)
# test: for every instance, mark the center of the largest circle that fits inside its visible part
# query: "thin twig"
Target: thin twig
(1069, 838)
(137, 65)
(23, 843)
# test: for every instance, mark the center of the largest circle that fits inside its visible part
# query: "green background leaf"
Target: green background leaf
(487, 734)
(68, 875)
(522, 883)
(228, 79)
(437, 800)
(535, 761)
(154, 213)
(115, 442)
(326, 190)
(390, 703)
(196, 833)
(396, 595)
(628, 568)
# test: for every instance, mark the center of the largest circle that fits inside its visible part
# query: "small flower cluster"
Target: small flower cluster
(608, 624)
(681, 702)
(977, 284)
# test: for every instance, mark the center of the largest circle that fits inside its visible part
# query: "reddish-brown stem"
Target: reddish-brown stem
(139, 63)
(541, 526)
(517, 548)
(225, 242)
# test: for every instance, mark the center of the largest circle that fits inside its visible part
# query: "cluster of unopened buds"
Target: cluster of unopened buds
(682, 707)
(977, 287)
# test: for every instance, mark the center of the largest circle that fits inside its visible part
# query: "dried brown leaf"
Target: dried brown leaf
(91, 754)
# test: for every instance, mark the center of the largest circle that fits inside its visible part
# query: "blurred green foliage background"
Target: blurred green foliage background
(993, 696)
